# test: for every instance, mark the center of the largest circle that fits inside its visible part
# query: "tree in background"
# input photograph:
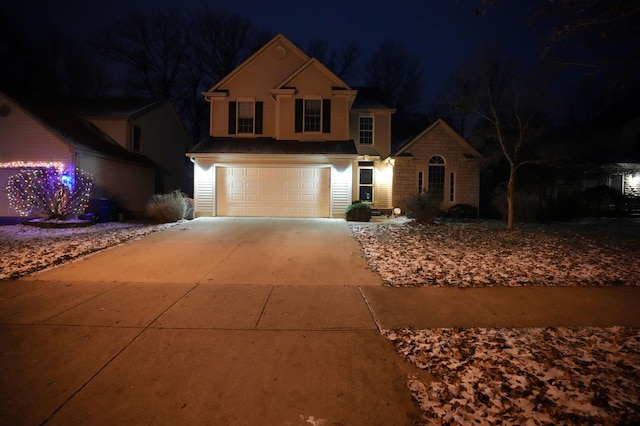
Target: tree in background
(342, 63)
(397, 73)
(49, 192)
(511, 105)
(172, 56)
(44, 62)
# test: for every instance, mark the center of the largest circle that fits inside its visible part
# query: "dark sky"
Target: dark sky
(446, 34)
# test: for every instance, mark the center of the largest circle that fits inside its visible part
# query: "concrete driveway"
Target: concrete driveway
(231, 251)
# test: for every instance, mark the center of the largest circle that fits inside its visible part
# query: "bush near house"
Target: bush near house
(423, 208)
(462, 211)
(358, 212)
(165, 208)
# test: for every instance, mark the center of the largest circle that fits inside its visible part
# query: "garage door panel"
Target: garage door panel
(273, 191)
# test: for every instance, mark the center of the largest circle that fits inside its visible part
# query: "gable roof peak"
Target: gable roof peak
(273, 43)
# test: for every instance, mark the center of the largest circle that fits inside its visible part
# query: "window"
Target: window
(137, 136)
(420, 182)
(436, 177)
(312, 115)
(366, 131)
(365, 181)
(246, 117)
(452, 181)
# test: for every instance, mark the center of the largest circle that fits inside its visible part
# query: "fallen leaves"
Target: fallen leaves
(525, 376)
(27, 249)
(477, 254)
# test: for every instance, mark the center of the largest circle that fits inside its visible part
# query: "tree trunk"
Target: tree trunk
(510, 197)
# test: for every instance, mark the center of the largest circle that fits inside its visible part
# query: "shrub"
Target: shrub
(424, 208)
(462, 211)
(359, 212)
(49, 192)
(164, 208)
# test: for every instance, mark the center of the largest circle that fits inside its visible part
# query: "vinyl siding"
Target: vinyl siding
(129, 185)
(117, 128)
(23, 138)
(341, 189)
(204, 194)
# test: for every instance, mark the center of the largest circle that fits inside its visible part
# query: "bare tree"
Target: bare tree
(222, 42)
(342, 63)
(47, 63)
(398, 75)
(153, 48)
(511, 106)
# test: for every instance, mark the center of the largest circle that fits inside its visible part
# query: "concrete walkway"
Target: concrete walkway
(241, 322)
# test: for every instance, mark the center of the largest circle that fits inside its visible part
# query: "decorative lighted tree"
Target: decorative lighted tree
(50, 192)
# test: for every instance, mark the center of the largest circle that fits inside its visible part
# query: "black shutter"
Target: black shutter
(232, 118)
(299, 115)
(258, 118)
(326, 116)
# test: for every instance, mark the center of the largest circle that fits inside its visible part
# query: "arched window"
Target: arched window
(436, 177)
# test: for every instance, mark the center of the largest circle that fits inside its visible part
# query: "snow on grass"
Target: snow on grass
(525, 376)
(481, 253)
(528, 376)
(28, 249)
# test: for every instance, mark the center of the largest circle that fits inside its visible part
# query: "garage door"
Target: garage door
(273, 191)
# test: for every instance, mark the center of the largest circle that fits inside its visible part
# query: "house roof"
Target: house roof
(370, 98)
(269, 145)
(82, 135)
(110, 107)
(279, 38)
(313, 62)
(470, 151)
(405, 127)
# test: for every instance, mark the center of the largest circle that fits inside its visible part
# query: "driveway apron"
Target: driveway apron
(214, 321)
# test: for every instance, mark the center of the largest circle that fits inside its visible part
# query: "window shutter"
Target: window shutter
(299, 115)
(258, 128)
(232, 118)
(326, 116)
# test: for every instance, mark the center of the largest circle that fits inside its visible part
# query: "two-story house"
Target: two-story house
(133, 148)
(289, 138)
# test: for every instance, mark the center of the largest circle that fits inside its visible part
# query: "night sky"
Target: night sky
(446, 34)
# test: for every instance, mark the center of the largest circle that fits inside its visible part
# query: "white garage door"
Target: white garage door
(273, 191)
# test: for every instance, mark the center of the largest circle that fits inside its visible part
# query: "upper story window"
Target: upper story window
(312, 115)
(366, 130)
(246, 117)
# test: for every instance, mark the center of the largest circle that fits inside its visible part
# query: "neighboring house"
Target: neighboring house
(615, 161)
(289, 138)
(37, 135)
(151, 128)
(617, 158)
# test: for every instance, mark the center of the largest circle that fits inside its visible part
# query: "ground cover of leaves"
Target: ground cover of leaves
(484, 253)
(28, 249)
(534, 376)
(511, 376)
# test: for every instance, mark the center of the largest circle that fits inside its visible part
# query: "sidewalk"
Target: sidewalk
(161, 353)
